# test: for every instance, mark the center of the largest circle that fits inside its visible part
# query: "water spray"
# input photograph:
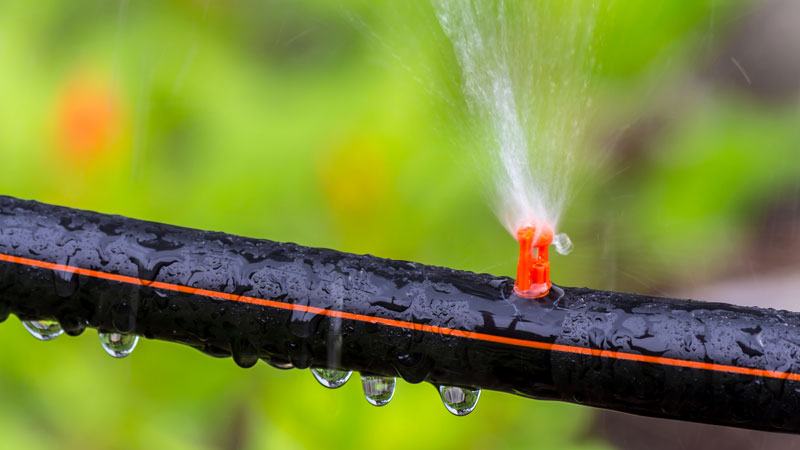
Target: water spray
(529, 115)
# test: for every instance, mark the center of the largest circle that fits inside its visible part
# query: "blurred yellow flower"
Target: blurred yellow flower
(354, 177)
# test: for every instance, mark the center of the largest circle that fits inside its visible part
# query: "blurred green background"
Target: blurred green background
(322, 123)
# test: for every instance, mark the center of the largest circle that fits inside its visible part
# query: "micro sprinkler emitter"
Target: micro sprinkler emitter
(533, 268)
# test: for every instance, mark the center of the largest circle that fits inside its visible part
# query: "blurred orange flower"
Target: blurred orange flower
(88, 118)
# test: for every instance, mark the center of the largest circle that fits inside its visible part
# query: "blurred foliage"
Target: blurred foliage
(329, 124)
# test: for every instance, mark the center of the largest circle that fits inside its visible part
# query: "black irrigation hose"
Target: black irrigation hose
(223, 294)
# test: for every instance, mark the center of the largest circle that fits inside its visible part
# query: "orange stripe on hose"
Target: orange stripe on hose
(408, 325)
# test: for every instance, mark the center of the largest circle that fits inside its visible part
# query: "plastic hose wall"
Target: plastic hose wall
(251, 298)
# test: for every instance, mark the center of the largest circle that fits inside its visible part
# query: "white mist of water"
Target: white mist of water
(525, 68)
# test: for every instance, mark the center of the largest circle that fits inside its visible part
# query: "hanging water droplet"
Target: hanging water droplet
(44, 330)
(118, 345)
(331, 378)
(378, 390)
(283, 365)
(459, 401)
(563, 243)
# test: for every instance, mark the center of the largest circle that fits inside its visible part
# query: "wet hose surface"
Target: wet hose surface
(250, 298)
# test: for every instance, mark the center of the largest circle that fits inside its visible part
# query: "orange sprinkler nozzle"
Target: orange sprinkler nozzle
(533, 268)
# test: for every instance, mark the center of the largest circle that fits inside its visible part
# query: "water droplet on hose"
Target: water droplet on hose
(44, 330)
(459, 401)
(378, 390)
(331, 378)
(563, 243)
(118, 345)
